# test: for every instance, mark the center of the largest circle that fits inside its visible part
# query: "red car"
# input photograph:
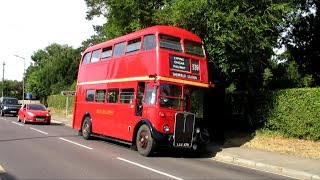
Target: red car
(36, 113)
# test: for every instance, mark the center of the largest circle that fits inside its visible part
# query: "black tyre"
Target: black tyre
(1, 112)
(145, 142)
(86, 128)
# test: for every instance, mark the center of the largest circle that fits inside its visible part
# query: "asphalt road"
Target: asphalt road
(56, 152)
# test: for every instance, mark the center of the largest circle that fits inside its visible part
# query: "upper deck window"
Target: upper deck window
(95, 56)
(86, 58)
(119, 49)
(106, 53)
(149, 42)
(194, 48)
(133, 45)
(170, 42)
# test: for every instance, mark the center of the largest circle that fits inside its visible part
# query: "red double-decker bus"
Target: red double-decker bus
(139, 89)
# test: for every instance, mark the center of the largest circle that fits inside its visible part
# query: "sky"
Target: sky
(27, 26)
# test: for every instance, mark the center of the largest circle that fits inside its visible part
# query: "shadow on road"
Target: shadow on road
(6, 176)
(205, 152)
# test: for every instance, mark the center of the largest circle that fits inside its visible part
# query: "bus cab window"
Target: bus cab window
(170, 95)
(151, 92)
(139, 99)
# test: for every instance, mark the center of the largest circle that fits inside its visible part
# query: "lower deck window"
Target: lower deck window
(90, 95)
(126, 96)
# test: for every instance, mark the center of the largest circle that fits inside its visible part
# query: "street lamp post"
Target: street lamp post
(3, 78)
(24, 69)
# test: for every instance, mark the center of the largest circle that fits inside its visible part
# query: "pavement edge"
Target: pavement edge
(272, 168)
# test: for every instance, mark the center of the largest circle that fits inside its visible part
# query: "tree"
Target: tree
(12, 88)
(303, 39)
(239, 35)
(123, 17)
(55, 68)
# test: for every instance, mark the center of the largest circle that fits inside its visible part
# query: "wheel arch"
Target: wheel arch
(86, 114)
(154, 133)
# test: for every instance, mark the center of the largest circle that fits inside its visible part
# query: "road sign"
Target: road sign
(68, 93)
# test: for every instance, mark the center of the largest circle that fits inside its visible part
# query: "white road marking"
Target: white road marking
(76, 143)
(39, 131)
(3, 119)
(2, 170)
(58, 122)
(145, 167)
(17, 123)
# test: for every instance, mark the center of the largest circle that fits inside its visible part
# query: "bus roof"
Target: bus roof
(158, 29)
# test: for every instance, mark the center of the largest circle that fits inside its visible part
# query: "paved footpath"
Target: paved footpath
(298, 167)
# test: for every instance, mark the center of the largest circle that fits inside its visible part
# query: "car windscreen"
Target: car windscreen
(36, 107)
(10, 101)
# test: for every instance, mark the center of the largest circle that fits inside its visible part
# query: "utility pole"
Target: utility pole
(24, 69)
(3, 78)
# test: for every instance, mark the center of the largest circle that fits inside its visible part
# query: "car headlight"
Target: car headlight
(48, 114)
(5, 107)
(30, 113)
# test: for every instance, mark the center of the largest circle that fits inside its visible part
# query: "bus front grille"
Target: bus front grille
(183, 131)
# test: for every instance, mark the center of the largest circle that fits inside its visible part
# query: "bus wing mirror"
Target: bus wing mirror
(153, 76)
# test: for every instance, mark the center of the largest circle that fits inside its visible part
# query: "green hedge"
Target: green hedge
(295, 113)
(59, 101)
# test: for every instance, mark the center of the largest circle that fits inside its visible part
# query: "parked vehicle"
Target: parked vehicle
(35, 113)
(9, 105)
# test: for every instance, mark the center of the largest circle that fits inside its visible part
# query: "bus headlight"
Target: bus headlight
(166, 128)
(197, 130)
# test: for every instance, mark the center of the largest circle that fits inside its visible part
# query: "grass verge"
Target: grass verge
(275, 142)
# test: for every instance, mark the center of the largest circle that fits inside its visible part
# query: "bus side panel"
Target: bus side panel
(77, 115)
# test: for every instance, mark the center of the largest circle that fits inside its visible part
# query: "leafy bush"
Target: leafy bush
(295, 113)
(59, 101)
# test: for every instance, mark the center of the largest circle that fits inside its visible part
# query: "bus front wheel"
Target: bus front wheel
(144, 141)
(86, 128)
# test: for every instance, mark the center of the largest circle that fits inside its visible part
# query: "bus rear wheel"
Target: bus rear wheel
(86, 128)
(144, 141)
